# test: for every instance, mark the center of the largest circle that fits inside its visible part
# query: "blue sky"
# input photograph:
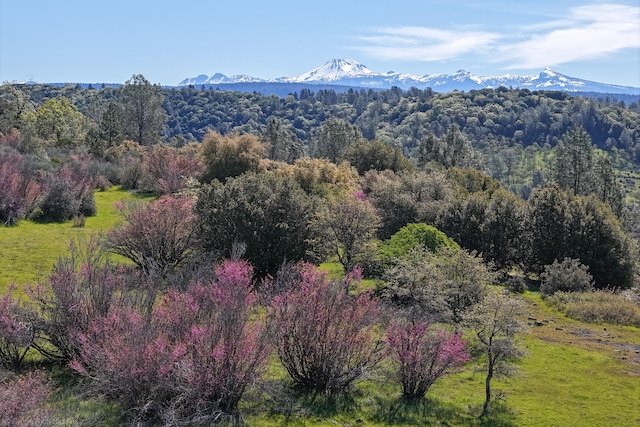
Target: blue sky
(109, 41)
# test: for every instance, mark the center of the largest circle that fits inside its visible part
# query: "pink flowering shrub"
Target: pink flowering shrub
(423, 355)
(16, 331)
(324, 337)
(23, 401)
(18, 193)
(157, 236)
(81, 287)
(166, 170)
(190, 360)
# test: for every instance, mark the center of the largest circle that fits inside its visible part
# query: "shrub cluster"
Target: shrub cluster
(598, 306)
(188, 356)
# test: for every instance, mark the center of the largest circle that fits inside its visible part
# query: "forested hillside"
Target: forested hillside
(512, 130)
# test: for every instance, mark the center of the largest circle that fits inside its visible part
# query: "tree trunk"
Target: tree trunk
(487, 385)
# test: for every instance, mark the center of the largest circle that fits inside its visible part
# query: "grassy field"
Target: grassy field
(29, 250)
(575, 374)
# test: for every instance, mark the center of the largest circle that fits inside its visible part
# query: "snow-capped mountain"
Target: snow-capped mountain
(336, 69)
(219, 78)
(348, 72)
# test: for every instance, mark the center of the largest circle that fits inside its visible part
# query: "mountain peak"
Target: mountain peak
(335, 69)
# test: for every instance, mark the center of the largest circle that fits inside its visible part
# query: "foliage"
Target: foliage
(320, 176)
(56, 122)
(597, 307)
(438, 286)
(332, 138)
(576, 167)
(375, 155)
(454, 150)
(495, 323)
(324, 337)
(267, 212)
(413, 236)
(583, 228)
(143, 115)
(83, 286)
(67, 192)
(406, 197)
(574, 161)
(16, 330)
(23, 401)
(350, 223)
(166, 170)
(228, 156)
(189, 361)
(18, 192)
(280, 141)
(423, 355)
(566, 276)
(157, 236)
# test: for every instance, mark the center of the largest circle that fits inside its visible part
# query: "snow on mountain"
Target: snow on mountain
(348, 72)
(218, 78)
(333, 70)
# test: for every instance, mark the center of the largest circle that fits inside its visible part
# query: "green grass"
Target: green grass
(573, 372)
(29, 250)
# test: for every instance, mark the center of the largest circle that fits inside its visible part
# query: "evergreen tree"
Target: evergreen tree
(143, 114)
(281, 143)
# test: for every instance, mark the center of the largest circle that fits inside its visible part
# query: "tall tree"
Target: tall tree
(143, 114)
(562, 225)
(606, 186)
(57, 121)
(333, 137)
(281, 143)
(573, 162)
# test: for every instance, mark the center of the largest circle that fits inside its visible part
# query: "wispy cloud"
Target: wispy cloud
(588, 32)
(585, 32)
(424, 44)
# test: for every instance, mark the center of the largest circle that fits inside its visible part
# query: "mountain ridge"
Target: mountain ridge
(349, 72)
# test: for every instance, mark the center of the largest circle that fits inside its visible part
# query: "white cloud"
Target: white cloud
(424, 44)
(588, 32)
(585, 32)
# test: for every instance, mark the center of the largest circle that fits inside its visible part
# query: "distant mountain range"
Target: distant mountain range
(348, 72)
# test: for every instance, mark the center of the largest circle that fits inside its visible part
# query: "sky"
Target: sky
(109, 41)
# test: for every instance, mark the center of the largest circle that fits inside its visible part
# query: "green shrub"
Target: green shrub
(598, 306)
(413, 236)
(567, 276)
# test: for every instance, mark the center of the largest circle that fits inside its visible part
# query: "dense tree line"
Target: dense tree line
(486, 117)
(508, 133)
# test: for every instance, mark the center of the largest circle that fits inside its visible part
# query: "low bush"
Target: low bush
(16, 331)
(598, 306)
(424, 354)
(23, 401)
(324, 337)
(566, 276)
